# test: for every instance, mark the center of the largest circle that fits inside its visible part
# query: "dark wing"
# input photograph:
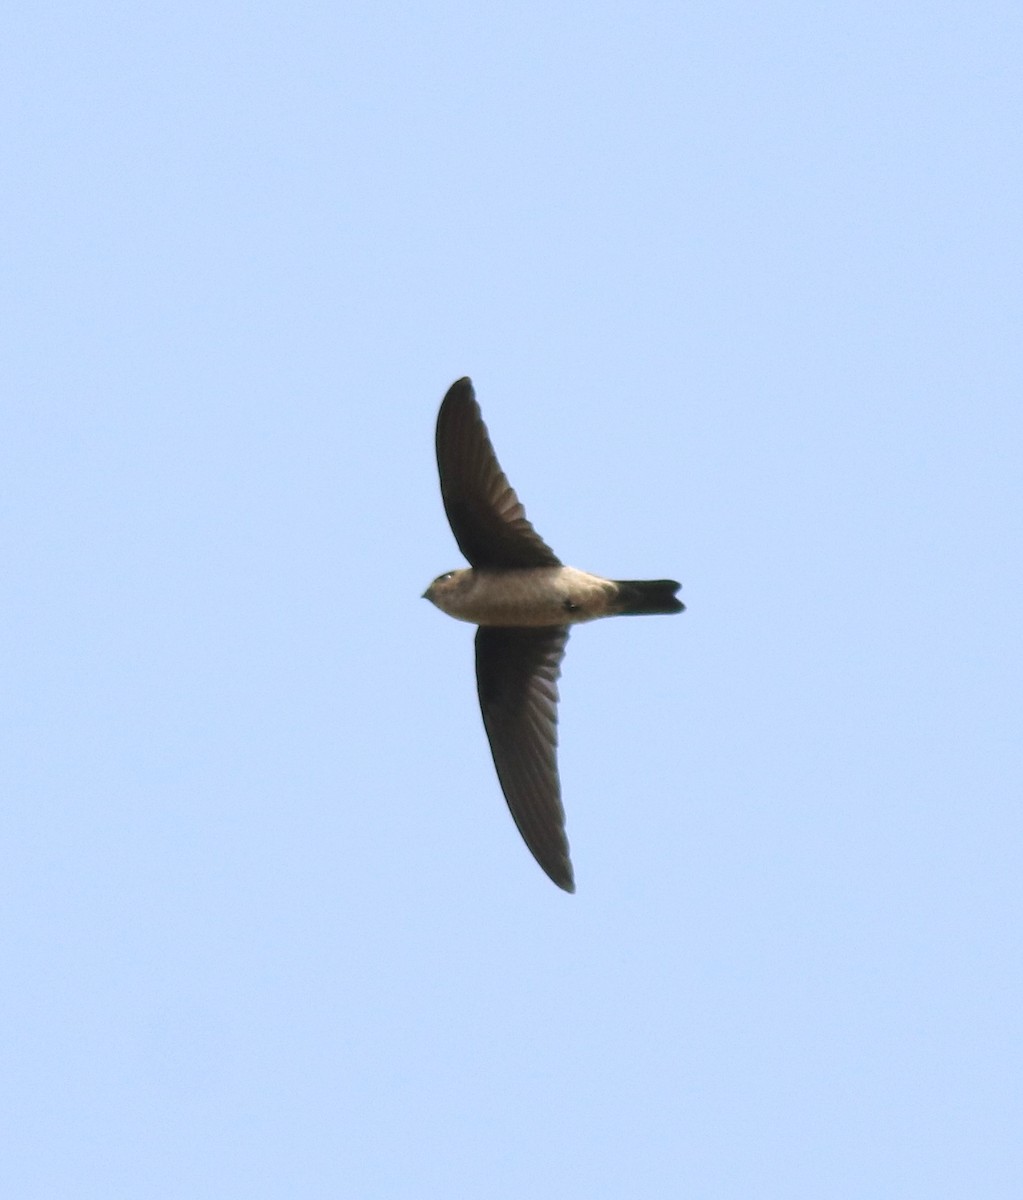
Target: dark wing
(485, 515)
(517, 672)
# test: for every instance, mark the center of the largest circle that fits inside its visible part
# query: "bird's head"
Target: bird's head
(445, 587)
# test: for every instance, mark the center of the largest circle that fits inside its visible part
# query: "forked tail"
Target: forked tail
(639, 596)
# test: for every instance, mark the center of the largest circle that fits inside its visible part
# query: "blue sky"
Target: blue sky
(739, 288)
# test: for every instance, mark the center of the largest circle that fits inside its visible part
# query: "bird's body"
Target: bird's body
(523, 596)
(523, 599)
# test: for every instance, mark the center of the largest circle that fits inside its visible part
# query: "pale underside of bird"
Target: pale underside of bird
(523, 599)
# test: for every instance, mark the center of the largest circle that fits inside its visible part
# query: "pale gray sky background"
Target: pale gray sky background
(740, 289)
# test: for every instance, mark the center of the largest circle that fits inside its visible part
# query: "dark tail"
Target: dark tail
(639, 596)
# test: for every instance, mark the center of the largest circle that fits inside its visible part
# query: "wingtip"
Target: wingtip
(564, 878)
(462, 387)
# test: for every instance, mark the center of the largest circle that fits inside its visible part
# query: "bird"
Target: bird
(523, 600)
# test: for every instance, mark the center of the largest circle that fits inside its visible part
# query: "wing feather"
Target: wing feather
(486, 516)
(517, 672)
